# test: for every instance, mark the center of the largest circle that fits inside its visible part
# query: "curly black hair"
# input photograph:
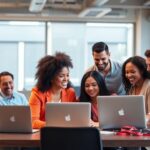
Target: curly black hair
(48, 67)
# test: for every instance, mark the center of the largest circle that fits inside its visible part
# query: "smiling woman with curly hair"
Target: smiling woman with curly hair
(52, 86)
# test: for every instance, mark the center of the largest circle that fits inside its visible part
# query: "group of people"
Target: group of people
(53, 84)
(105, 77)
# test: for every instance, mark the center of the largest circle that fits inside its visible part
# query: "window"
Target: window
(22, 44)
(76, 39)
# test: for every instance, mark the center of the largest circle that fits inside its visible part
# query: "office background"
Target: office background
(27, 35)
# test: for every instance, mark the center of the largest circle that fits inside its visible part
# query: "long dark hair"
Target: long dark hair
(140, 63)
(84, 97)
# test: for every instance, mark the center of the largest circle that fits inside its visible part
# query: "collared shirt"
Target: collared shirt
(113, 79)
(16, 99)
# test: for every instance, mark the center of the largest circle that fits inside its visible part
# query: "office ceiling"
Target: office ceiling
(77, 9)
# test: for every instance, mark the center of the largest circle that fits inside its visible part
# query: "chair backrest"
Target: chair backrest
(54, 138)
(26, 93)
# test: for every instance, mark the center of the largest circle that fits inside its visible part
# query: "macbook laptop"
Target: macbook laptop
(16, 119)
(118, 111)
(68, 114)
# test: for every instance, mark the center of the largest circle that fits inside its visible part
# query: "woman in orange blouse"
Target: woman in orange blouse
(52, 86)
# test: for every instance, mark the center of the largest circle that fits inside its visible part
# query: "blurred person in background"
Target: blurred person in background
(7, 94)
(147, 54)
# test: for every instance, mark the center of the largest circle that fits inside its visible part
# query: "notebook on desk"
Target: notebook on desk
(15, 119)
(118, 111)
(68, 114)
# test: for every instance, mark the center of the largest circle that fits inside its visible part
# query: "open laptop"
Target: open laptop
(15, 119)
(118, 111)
(68, 114)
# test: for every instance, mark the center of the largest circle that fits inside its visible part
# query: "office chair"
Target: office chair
(54, 138)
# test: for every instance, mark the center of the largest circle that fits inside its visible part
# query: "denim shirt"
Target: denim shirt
(113, 79)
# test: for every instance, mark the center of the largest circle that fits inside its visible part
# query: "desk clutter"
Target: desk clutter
(133, 131)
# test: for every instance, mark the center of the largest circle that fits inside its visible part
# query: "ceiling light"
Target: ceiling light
(37, 5)
(95, 12)
(100, 2)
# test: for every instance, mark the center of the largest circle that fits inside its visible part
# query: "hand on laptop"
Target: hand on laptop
(94, 124)
(114, 94)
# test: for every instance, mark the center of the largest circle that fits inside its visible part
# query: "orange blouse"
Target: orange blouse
(38, 101)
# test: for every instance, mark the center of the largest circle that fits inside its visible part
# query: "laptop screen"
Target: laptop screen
(118, 111)
(68, 114)
(15, 119)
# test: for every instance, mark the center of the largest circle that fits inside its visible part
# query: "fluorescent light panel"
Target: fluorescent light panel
(101, 2)
(37, 5)
(99, 12)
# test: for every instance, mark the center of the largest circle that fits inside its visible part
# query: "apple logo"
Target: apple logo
(68, 117)
(12, 119)
(121, 112)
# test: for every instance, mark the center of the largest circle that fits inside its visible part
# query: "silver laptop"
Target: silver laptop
(118, 111)
(68, 114)
(16, 119)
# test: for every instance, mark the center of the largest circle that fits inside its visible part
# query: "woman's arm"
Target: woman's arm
(35, 102)
(94, 124)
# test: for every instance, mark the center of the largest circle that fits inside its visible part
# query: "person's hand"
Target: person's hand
(114, 94)
(148, 120)
(94, 124)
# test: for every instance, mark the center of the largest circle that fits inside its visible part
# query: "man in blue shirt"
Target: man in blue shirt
(111, 70)
(7, 94)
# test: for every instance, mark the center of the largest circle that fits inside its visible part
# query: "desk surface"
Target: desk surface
(33, 140)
